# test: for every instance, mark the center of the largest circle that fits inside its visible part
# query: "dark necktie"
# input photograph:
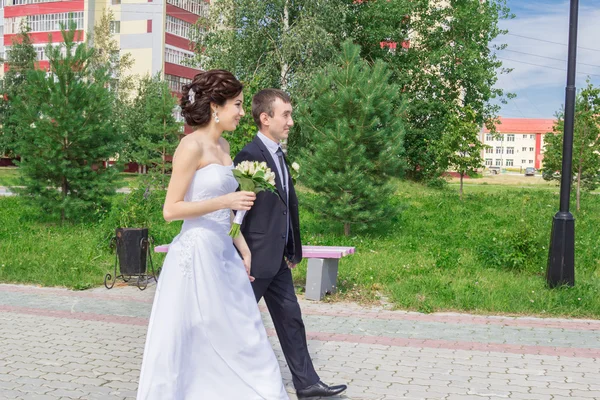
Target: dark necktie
(279, 153)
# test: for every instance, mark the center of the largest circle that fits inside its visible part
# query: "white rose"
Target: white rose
(295, 166)
(242, 167)
(263, 166)
(252, 168)
(270, 177)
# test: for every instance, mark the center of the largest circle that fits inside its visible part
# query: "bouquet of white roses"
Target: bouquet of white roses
(253, 176)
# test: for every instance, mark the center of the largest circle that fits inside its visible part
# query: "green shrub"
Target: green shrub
(437, 183)
(514, 250)
(142, 208)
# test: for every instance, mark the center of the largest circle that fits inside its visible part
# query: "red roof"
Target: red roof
(524, 125)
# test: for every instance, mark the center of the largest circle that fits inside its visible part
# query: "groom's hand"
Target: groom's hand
(290, 264)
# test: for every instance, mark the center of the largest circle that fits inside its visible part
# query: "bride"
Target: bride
(206, 339)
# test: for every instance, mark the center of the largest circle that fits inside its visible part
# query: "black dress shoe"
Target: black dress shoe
(320, 389)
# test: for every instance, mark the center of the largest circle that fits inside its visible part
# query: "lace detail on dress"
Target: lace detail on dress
(185, 256)
(189, 238)
(186, 241)
(223, 215)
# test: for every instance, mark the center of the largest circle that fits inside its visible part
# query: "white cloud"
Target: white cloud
(529, 80)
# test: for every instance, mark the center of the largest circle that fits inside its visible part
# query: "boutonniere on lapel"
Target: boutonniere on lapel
(294, 169)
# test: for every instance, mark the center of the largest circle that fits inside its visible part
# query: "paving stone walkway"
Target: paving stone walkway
(60, 344)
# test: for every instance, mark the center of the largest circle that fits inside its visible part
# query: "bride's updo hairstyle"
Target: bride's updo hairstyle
(214, 86)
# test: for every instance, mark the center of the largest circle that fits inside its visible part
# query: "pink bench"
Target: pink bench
(321, 274)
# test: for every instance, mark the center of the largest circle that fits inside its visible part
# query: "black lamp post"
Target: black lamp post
(561, 257)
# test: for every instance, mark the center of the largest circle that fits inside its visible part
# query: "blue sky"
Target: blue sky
(537, 52)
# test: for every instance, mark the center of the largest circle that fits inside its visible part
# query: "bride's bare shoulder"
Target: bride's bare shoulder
(188, 147)
(224, 144)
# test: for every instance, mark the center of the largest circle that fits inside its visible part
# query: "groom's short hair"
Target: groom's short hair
(262, 102)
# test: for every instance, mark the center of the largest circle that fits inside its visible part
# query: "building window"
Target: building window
(488, 162)
(500, 138)
(178, 27)
(531, 136)
(489, 150)
(509, 163)
(40, 51)
(510, 138)
(115, 27)
(176, 82)
(523, 161)
(530, 161)
(524, 149)
(179, 57)
(498, 163)
(45, 22)
(499, 150)
(510, 150)
(23, 2)
(198, 7)
(524, 136)
(489, 137)
(531, 149)
(115, 2)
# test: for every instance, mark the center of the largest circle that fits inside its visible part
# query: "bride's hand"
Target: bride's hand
(248, 263)
(240, 200)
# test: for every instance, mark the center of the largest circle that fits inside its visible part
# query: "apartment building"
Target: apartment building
(518, 143)
(155, 32)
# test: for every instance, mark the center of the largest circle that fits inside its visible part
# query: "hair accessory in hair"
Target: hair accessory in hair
(192, 96)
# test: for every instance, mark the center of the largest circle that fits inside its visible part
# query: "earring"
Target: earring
(216, 117)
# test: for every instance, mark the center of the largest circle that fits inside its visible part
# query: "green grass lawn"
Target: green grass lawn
(76, 256)
(9, 176)
(486, 254)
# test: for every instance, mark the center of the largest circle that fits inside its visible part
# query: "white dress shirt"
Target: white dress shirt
(272, 146)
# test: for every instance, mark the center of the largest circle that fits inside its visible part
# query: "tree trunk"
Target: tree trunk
(346, 229)
(578, 185)
(64, 186)
(164, 151)
(579, 169)
(65, 189)
(286, 28)
(460, 191)
(284, 64)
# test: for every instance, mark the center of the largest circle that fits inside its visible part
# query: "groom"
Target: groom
(272, 230)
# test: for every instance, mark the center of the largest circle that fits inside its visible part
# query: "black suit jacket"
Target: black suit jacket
(265, 224)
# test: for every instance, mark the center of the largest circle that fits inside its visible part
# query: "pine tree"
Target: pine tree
(586, 143)
(64, 133)
(351, 117)
(153, 129)
(20, 59)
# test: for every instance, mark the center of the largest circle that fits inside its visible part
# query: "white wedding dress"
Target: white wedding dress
(206, 339)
